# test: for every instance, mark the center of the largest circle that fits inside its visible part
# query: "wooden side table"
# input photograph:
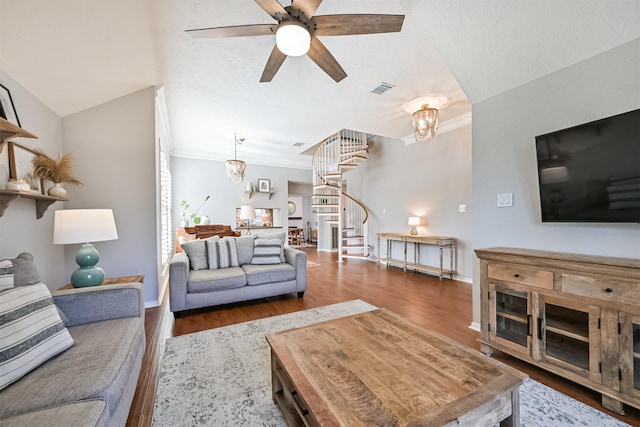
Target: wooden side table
(114, 281)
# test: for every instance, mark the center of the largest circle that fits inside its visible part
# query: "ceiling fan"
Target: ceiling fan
(297, 30)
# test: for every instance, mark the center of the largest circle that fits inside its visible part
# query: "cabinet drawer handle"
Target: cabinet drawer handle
(608, 290)
(516, 275)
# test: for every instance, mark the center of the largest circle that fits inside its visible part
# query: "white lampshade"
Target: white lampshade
(292, 38)
(247, 212)
(414, 220)
(83, 226)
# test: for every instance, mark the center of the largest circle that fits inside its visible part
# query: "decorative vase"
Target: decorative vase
(57, 191)
(13, 185)
(205, 220)
(184, 223)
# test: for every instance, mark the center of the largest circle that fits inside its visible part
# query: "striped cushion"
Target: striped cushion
(222, 253)
(31, 331)
(267, 251)
(6, 274)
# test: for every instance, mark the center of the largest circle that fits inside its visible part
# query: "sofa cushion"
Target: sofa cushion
(222, 253)
(98, 366)
(244, 248)
(260, 274)
(88, 413)
(268, 251)
(31, 331)
(196, 250)
(216, 280)
(19, 271)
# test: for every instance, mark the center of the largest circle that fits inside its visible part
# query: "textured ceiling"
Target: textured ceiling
(76, 54)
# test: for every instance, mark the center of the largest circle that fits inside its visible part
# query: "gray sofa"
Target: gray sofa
(191, 288)
(93, 382)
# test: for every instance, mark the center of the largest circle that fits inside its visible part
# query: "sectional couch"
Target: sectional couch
(92, 380)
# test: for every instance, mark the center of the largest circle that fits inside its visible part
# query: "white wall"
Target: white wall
(504, 130)
(114, 148)
(428, 180)
(194, 179)
(20, 231)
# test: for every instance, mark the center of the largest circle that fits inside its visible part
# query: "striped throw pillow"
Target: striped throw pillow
(267, 251)
(222, 253)
(31, 331)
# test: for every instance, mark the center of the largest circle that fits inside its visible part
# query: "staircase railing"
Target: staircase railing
(337, 154)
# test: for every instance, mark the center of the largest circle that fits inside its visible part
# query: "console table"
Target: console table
(417, 240)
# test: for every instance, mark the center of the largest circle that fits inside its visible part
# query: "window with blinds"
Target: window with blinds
(166, 245)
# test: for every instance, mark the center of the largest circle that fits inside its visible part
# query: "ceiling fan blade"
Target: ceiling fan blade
(273, 8)
(342, 25)
(273, 65)
(321, 56)
(235, 31)
(309, 7)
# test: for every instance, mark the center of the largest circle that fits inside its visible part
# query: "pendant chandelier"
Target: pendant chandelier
(235, 167)
(425, 123)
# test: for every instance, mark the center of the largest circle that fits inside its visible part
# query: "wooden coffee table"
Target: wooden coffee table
(376, 368)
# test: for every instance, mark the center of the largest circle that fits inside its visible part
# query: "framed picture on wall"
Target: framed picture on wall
(264, 185)
(7, 109)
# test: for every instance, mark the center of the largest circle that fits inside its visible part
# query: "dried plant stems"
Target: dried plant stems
(55, 170)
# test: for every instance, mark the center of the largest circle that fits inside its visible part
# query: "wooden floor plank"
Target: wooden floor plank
(445, 307)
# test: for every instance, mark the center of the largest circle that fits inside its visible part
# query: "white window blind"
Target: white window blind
(165, 209)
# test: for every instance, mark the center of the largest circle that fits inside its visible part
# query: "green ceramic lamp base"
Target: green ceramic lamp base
(87, 274)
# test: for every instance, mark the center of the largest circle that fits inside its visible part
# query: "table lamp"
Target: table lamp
(414, 221)
(83, 226)
(247, 212)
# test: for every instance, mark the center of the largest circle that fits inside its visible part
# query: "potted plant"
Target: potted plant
(195, 214)
(58, 171)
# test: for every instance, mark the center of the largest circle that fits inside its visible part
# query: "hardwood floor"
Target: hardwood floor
(442, 306)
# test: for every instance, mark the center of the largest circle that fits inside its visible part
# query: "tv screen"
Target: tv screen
(591, 172)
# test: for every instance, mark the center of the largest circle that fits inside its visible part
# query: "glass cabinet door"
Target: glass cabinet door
(510, 318)
(567, 336)
(630, 354)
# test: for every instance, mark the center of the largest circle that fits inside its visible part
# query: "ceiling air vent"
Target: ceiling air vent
(383, 88)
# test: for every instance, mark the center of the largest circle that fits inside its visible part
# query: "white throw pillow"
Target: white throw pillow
(31, 331)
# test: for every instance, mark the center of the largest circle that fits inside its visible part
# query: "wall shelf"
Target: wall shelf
(251, 193)
(9, 130)
(42, 202)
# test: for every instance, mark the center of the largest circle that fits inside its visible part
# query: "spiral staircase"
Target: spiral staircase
(339, 153)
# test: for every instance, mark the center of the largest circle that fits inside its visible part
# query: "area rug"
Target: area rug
(222, 377)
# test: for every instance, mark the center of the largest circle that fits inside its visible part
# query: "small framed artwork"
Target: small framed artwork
(21, 166)
(7, 109)
(264, 185)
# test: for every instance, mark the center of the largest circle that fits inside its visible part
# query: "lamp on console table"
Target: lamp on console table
(414, 221)
(82, 226)
(248, 213)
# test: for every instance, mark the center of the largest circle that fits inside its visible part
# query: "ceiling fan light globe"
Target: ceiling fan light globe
(293, 39)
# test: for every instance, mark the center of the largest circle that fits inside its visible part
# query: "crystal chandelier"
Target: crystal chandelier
(425, 123)
(235, 167)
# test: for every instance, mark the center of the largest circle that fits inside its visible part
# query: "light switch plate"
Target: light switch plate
(505, 200)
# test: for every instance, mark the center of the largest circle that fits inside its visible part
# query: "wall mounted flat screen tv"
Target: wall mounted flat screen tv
(591, 172)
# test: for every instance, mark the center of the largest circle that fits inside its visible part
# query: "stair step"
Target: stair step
(352, 237)
(354, 159)
(354, 246)
(321, 186)
(355, 256)
(326, 196)
(347, 165)
(324, 205)
(332, 221)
